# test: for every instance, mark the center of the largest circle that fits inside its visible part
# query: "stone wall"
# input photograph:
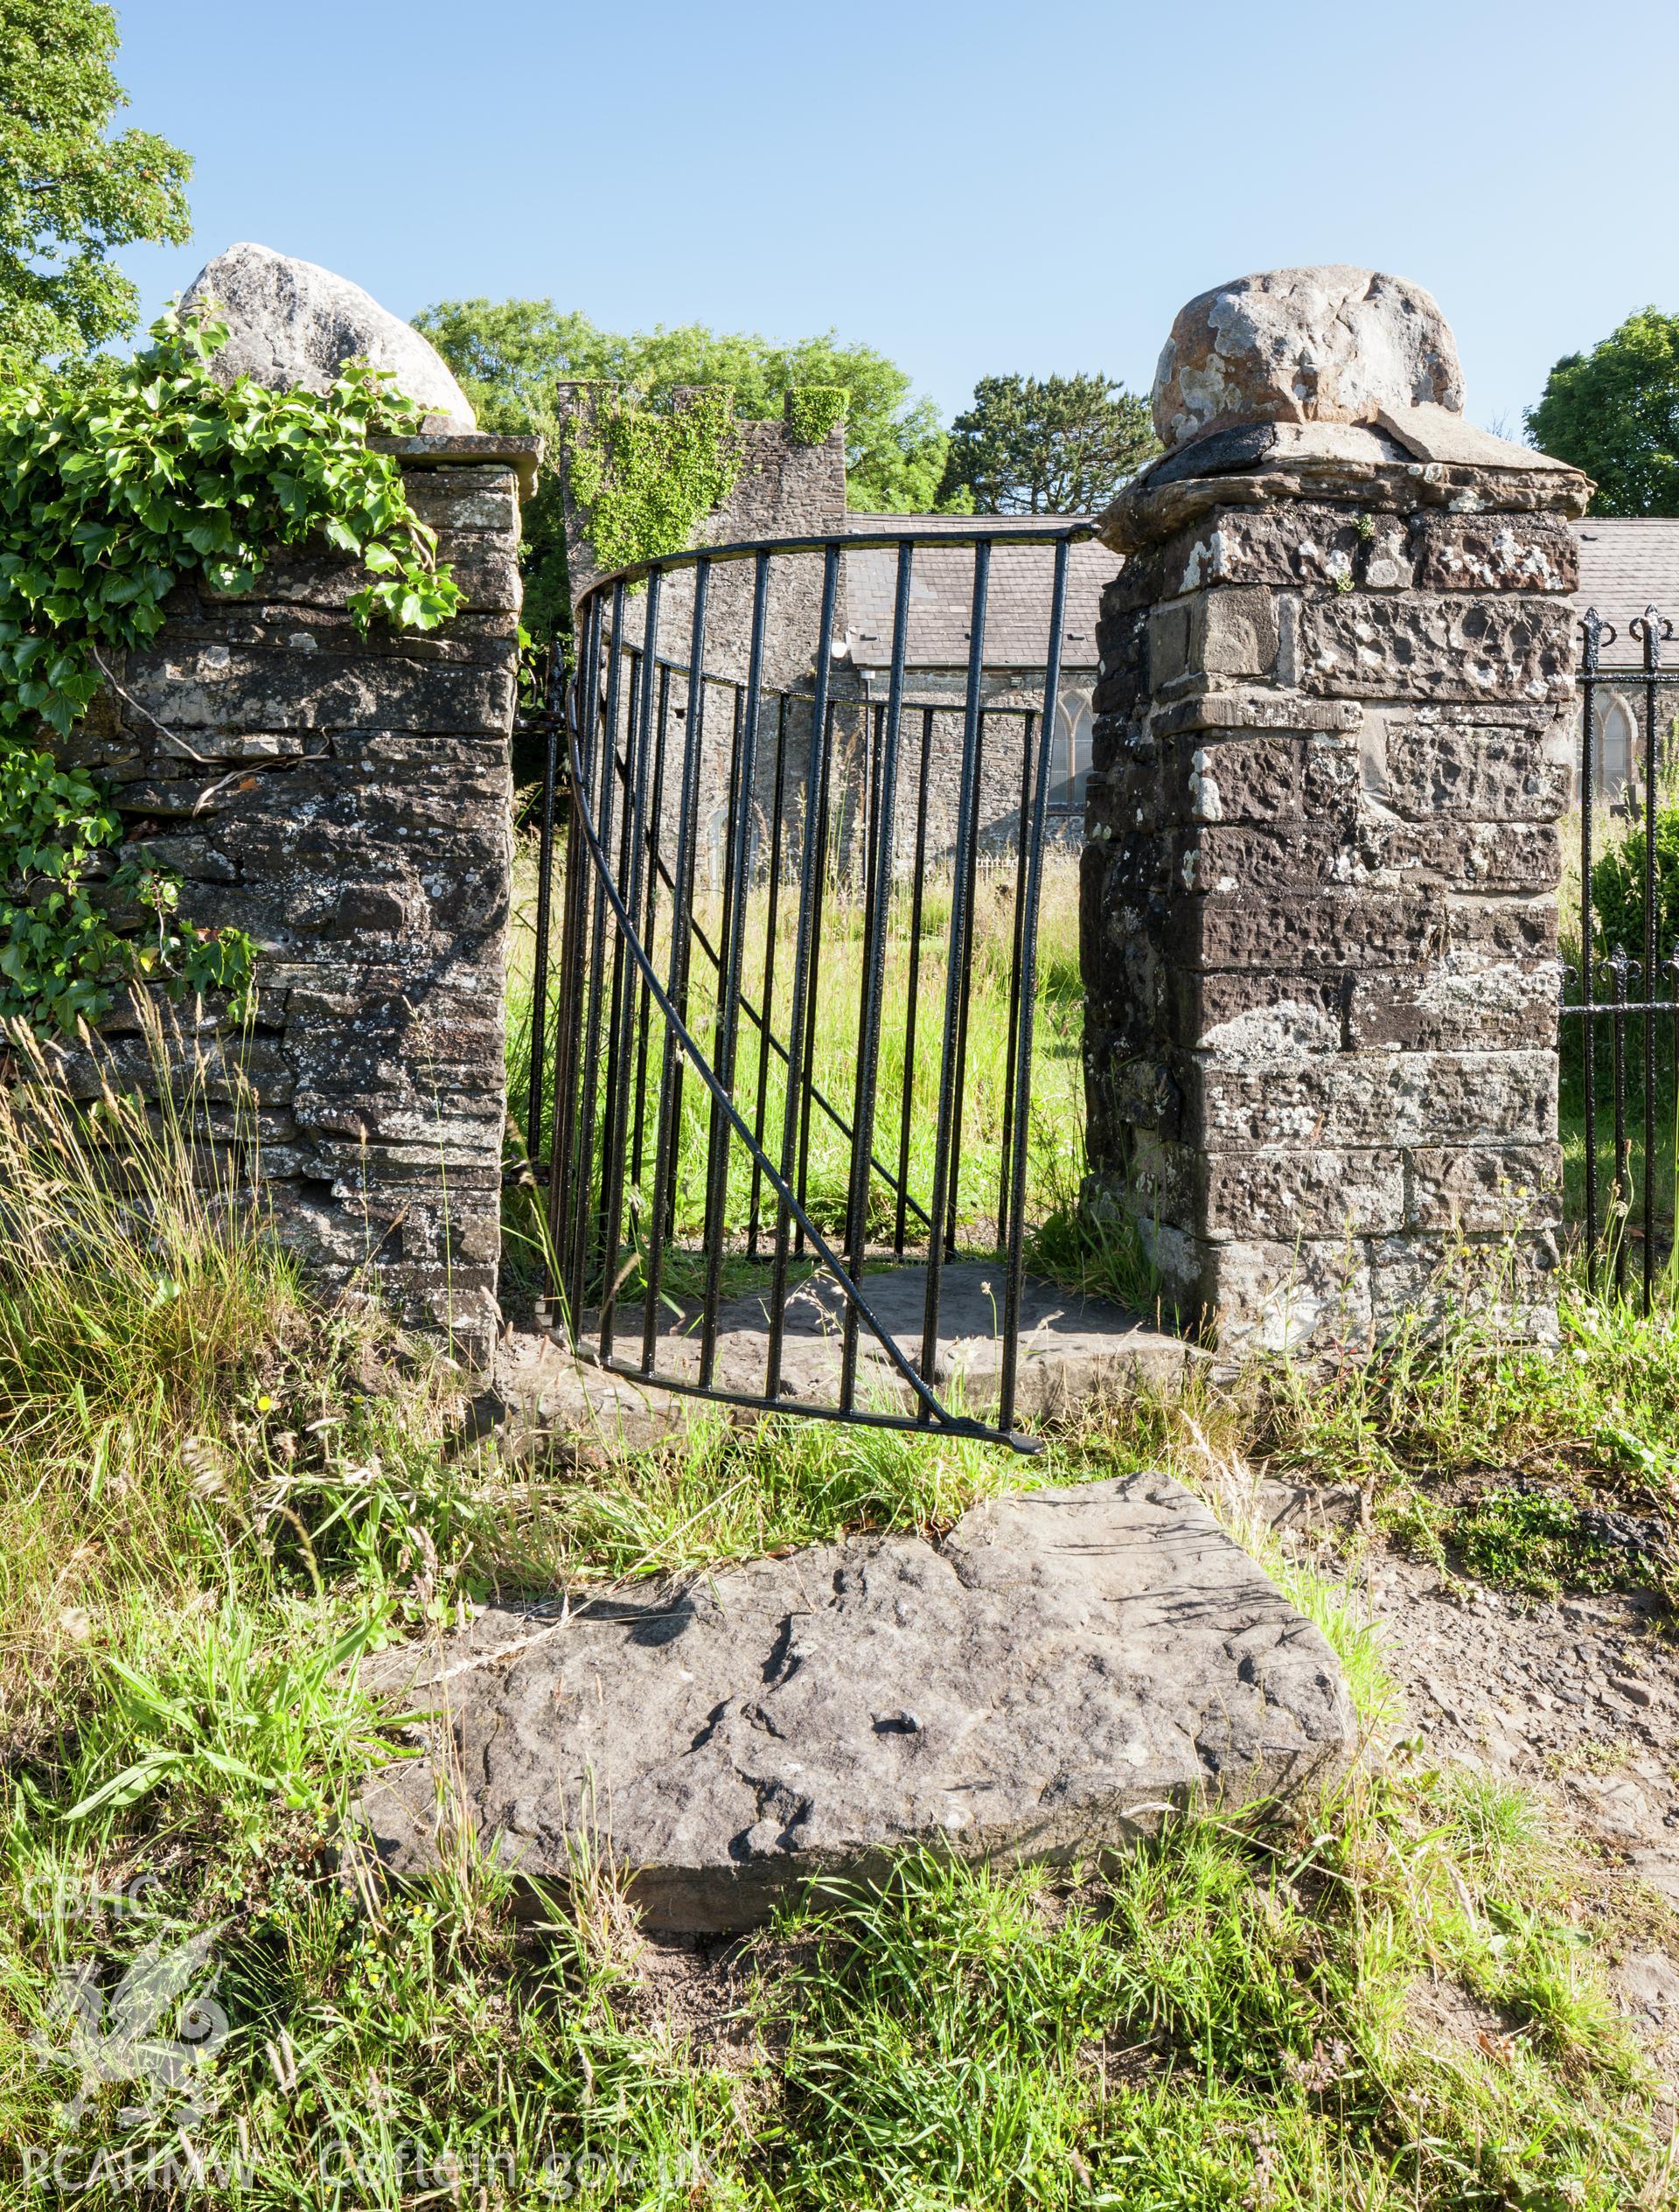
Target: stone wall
(347, 800)
(1319, 922)
(782, 489)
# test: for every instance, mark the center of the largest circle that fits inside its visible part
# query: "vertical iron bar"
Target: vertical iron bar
(967, 989)
(805, 1052)
(575, 1151)
(670, 1104)
(967, 805)
(624, 1011)
(728, 980)
(1022, 833)
(581, 706)
(810, 894)
(882, 846)
(622, 972)
(1027, 963)
(654, 833)
(1647, 1021)
(715, 1119)
(1594, 630)
(1619, 965)
(901, 1226)
(567, 1033)
(1672, 966)
(553, 707)
(603, 777)
(768, 1023)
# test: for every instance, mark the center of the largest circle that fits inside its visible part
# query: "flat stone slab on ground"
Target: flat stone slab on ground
(1073, 1349)
(1045, 1682)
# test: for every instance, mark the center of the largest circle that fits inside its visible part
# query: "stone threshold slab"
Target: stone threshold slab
(1074, 1351)
(1048, 1681)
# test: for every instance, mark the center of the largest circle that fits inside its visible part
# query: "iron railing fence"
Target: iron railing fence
(695, 1007)
(1620, 1012)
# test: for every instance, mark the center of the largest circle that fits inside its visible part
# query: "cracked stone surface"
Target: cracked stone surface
(1044, 1682)
(1330, 343)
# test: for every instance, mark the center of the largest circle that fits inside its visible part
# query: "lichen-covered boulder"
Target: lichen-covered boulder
(1328, 344)
(292, 324)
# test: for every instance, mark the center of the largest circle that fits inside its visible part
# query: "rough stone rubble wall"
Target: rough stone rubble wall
(1319, 912)
(347, 800)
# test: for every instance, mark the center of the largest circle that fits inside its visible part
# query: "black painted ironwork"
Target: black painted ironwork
(729, 835)
(1620, 1001)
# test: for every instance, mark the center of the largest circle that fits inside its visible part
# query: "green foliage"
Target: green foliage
(1532, 1541)
(1055, 445)
(114, 486)
(813, 410)
(1282, 2010)
(68, 193)
(511, 354)
(644, 478)
(1614, 412)
(721, 1492)
(1618, 892)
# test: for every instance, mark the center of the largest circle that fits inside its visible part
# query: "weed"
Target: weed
(212, 1498)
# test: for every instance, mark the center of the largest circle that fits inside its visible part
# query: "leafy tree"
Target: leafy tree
(1614, 412)
(1054, 445)
(69, 192)
(509, 355)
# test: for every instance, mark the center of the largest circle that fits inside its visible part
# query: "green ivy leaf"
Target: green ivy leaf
(109, 495)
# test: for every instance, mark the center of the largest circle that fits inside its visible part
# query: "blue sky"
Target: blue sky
(972, 187)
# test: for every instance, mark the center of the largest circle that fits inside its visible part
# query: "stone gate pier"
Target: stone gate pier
(346, 798)
(1319, 893)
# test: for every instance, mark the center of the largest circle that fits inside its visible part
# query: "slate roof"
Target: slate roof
(941, 593)
(1628, 564)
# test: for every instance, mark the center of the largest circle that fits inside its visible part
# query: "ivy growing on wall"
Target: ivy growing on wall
(117, 481)
(813, 409)
(644, 478)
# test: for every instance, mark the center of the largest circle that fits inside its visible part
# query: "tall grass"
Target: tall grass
(139, 1301)
(1054, 1146)
(213, 1496)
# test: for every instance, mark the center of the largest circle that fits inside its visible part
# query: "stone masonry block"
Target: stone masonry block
(1508, 1280)
(1483, 553)
(227, 689)
(1334, 743)
(1235, 633)
(1238, 779)
(1315, 1191)
(1425, 766)
(1458, 1000)
(1440, 647)
(363, 838)
(1484, 1188)
(1340, 928)
(1258, 1013)
(1373, 1099)
(1277, 1296)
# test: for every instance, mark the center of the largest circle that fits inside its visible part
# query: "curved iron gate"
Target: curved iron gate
(745, 828)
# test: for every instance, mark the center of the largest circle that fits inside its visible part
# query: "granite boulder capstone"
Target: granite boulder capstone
(293, 325)
(1333, 344)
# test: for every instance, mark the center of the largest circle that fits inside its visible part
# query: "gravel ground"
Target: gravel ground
(1575, 1699)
